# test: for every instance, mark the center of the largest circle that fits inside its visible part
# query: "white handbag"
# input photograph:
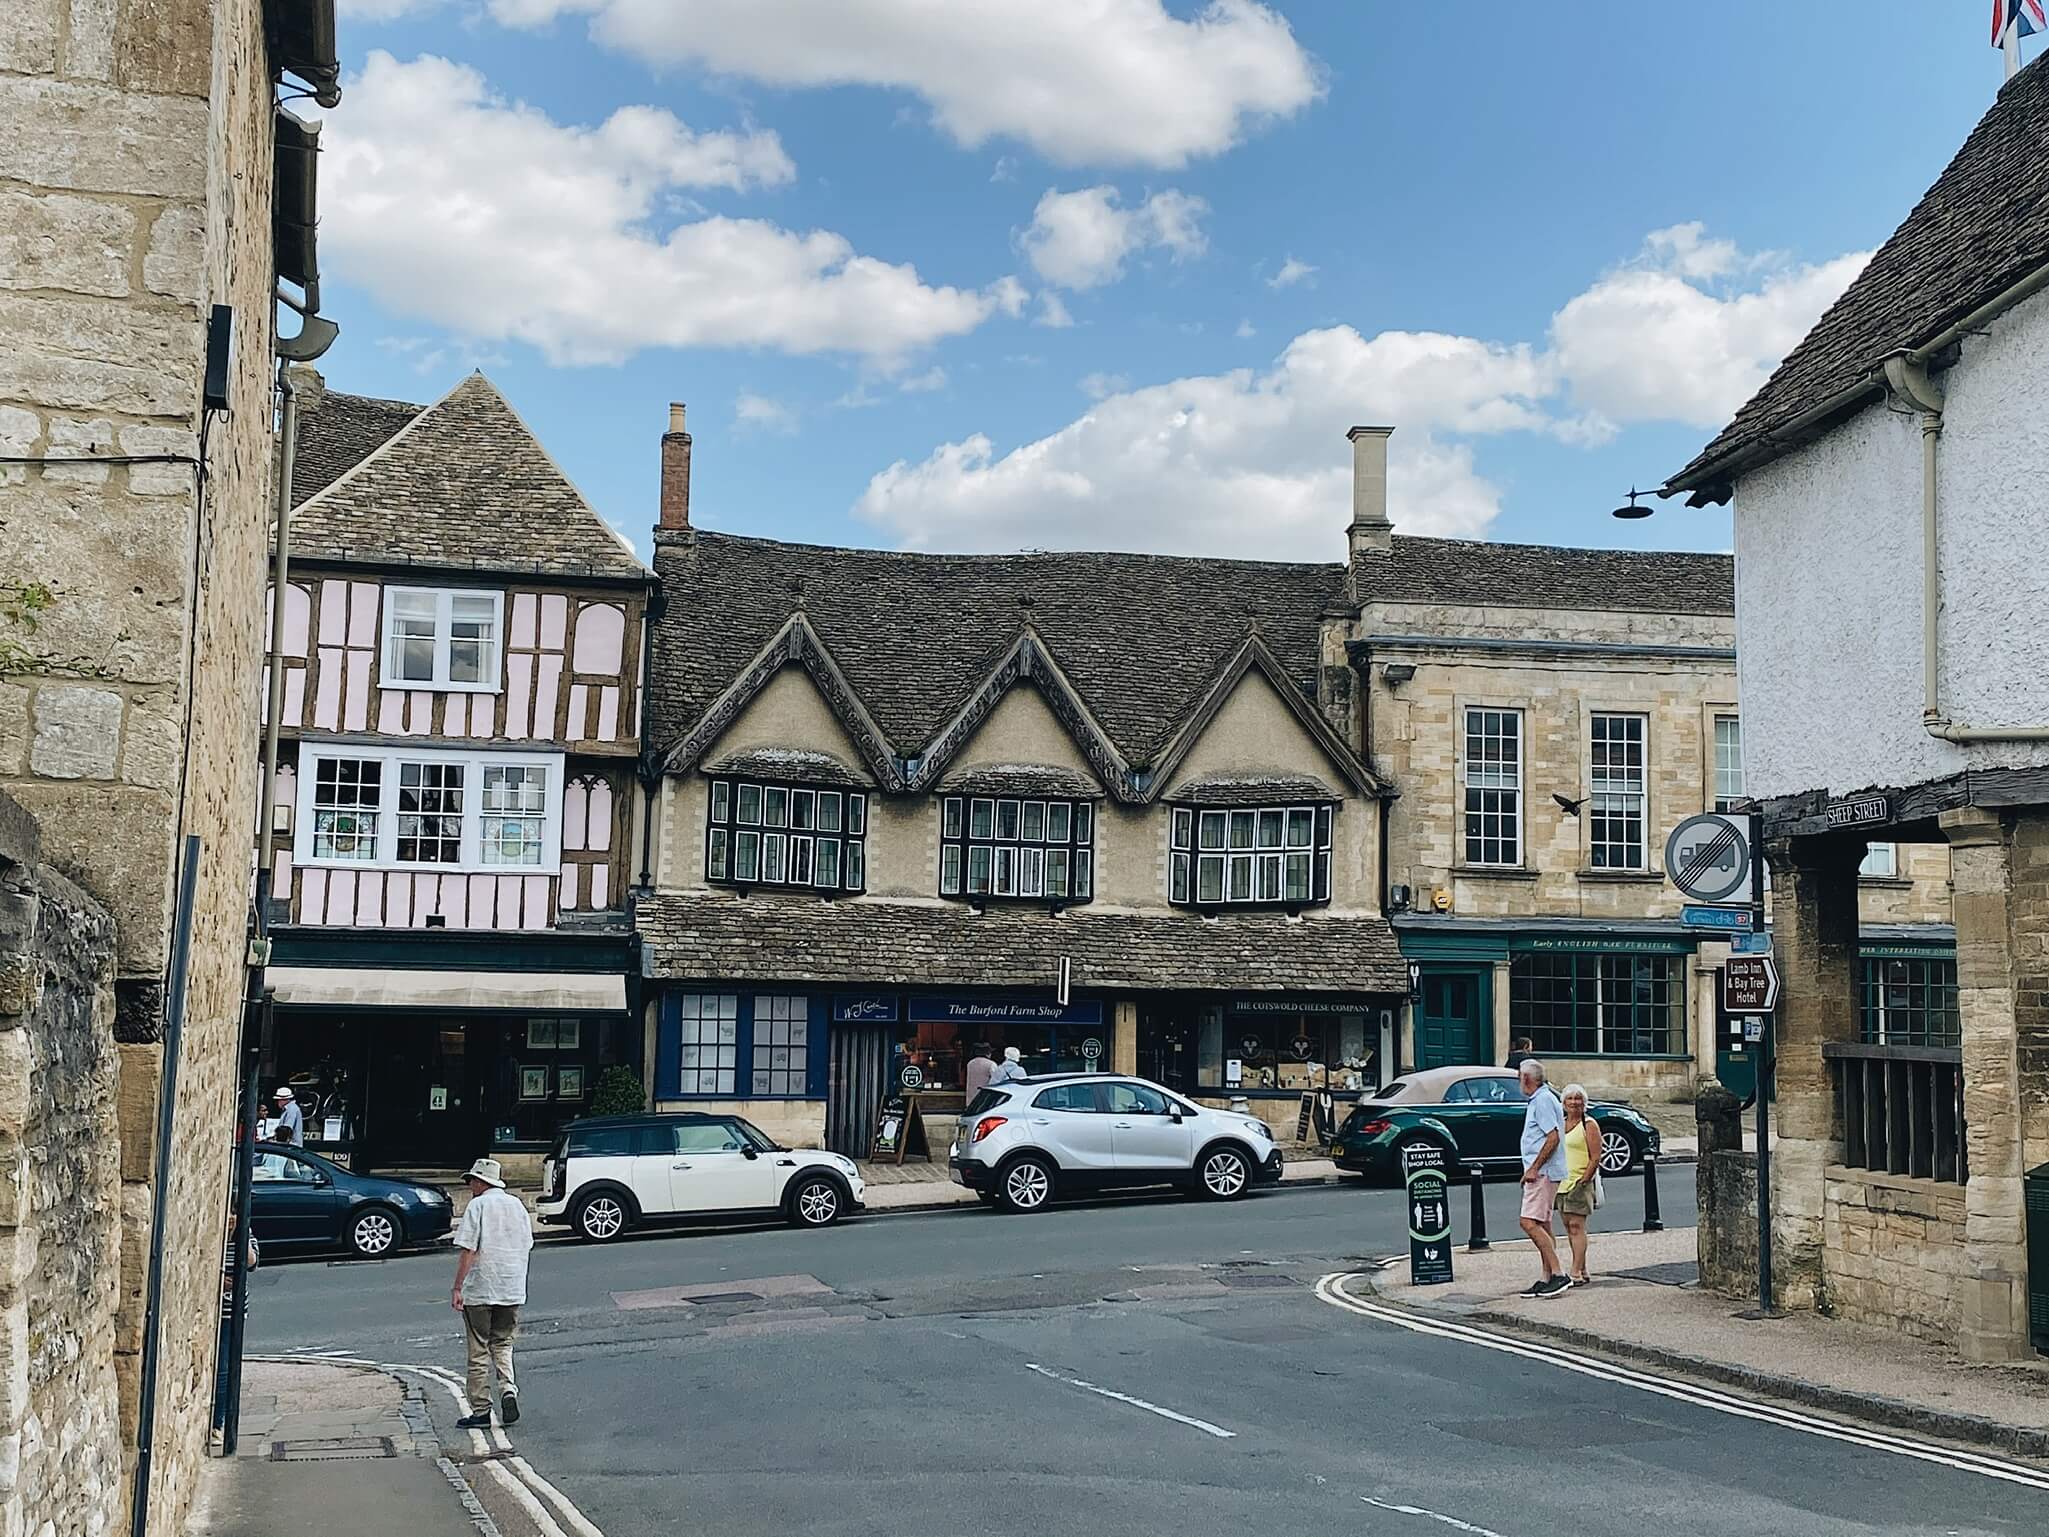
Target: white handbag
(1600, 1191)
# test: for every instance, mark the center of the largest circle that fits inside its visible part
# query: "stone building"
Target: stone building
(138, 157)
(452, 845)
(1888, 519)
(1088, 805)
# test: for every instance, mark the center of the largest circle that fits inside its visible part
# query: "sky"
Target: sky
(1039, 274)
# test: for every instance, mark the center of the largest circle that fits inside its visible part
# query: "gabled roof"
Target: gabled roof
(1481, 573)
(463, 485)
(1981, 228)
(337, 432)
(1122, 646)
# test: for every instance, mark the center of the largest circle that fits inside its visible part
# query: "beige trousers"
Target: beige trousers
(490, 1331)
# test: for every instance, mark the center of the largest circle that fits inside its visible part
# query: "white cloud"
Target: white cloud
(1666, 339)
(1097, 385)
(1009, 296)
(450, 203)
(1111, 82)
(759, 411)
(933, 378)
(1083, 239)
(1291, 273)
(1053, 312)
(1241, 463)
(1246, 330)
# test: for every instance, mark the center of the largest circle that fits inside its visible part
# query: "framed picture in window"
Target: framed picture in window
(541, 1035)
(569, 1034)
(533, 1083)
(569, 1083)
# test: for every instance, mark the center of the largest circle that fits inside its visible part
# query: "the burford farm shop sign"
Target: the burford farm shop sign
(948, 1011)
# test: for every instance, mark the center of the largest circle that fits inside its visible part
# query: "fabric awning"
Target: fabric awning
(369, 988)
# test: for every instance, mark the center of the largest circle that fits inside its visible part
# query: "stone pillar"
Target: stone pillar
(1503, 1030)
(1124, 1039)
(1999, 954)
(1814, 940)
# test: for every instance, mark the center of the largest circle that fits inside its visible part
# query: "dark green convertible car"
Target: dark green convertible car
(1476, 1115)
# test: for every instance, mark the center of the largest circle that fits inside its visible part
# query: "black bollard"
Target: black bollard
(1652, 1222)
(1478, 1239)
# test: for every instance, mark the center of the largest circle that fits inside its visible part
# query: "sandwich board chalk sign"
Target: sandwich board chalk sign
(899, 1129)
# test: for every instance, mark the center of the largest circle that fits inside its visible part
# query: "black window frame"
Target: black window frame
(724, 830)
(1187, 854)
(1563, 1001)
(971, 825)
(1908, 1000)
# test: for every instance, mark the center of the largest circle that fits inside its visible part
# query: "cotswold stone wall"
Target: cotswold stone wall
(61, 1258)
(1893, 1251)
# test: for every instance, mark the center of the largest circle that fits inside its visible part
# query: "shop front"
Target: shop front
(398, 1062)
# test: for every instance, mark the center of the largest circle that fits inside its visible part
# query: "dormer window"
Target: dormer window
(795, 836)
(1250, 856)
(1004, 846)
(437, 638)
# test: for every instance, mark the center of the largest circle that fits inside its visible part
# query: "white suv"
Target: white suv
(610, 1173)
(1022, 1141)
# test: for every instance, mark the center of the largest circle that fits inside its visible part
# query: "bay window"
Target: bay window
(803, 836)
(426, 808)
(439, 638)
(1249, 856)
(1010, 846)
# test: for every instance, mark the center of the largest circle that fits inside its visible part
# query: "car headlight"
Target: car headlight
(1260, 1128)
(428, 1197)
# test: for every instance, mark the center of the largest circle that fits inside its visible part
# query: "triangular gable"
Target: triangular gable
(464, 485)
(1253, 655)
(795, 644)
(1028, 661)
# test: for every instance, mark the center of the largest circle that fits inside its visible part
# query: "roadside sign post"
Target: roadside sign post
(1426, 1174)
(1764, 1082)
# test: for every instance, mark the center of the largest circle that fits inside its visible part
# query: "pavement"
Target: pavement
(1145, 1363)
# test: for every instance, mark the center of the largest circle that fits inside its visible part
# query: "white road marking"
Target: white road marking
(1138, 1403)
(1331, 1290)
(1418, 1510)
(506, 1457)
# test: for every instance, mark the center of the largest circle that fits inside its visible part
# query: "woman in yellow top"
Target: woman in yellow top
(1582, 1142)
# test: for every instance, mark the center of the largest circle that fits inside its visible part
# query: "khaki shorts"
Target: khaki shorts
(1577, 1200)
(1538, 1196)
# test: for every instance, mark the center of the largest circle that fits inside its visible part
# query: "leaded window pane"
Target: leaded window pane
(748, 803)
(828, 811)
(721, 800)
(856, 865)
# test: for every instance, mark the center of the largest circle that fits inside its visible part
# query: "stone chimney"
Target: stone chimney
(308, 385)
(1370, 528)
(675, 472)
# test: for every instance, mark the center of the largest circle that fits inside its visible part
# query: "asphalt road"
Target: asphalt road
(1136, 1366)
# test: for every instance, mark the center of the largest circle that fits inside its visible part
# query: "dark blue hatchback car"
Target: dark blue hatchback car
(299, 1201)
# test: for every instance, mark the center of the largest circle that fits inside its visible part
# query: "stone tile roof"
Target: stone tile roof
(790, 763)
(464, 485)
(868, 941)
(1138, 636)
(1252, 790)
(1547, 576)
(337, 432)
(1020, 779)
(1982, 227)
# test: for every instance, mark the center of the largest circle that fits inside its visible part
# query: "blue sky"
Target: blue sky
(1554, 247)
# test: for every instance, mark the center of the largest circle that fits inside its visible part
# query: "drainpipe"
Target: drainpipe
(1907, 374)
(288, 448)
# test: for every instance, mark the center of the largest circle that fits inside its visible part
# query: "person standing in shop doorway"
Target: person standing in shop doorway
(981, 1067)
(291, 1120)
(495, 1238)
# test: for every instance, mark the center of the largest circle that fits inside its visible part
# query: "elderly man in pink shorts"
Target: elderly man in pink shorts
(1543, 1153)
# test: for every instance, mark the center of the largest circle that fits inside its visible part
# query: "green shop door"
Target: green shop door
(1454, 1022)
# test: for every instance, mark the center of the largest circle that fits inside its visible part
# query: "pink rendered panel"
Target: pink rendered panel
(419, 713)
(312, 896)
(363, 614)
(575, 803)
(454, 901)
(545, 694)
(370, 899)
(554, 620)
(483, 714)
(522, 619)
(519, 694)
(508, 902)
(298, 618)
(600, 638)
(281, 872)
(483, 894)
(327, 694)
(398, 900)
(608, 714)
(600, 816)
(341, 896)
(567, 898)
(295, 695)
(356, 704)
(601, 876)
(334, 613)
(579, 714)
(535, 903)
(391, 712)
(457, 720)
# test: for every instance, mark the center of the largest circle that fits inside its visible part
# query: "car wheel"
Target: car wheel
(816, 1202)
(1618, 1152)
(600, 1216)
(1224, 1173)
(1027, 1185)
(373, 1232)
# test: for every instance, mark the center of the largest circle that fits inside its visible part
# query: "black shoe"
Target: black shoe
(508, 1408)
(1556, 1286)
(481, 1420)
(1534, 1289)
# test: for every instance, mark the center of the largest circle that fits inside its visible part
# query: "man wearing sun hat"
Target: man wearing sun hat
(291, 1120)
(494, 1238)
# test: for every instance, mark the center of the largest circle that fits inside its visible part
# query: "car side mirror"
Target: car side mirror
(322, 1179)
(1175, 1115)
(750, 1153)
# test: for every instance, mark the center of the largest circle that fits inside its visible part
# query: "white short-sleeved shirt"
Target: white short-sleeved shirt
(496, 1228)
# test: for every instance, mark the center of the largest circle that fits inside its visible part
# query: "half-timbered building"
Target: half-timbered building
(451, 846)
